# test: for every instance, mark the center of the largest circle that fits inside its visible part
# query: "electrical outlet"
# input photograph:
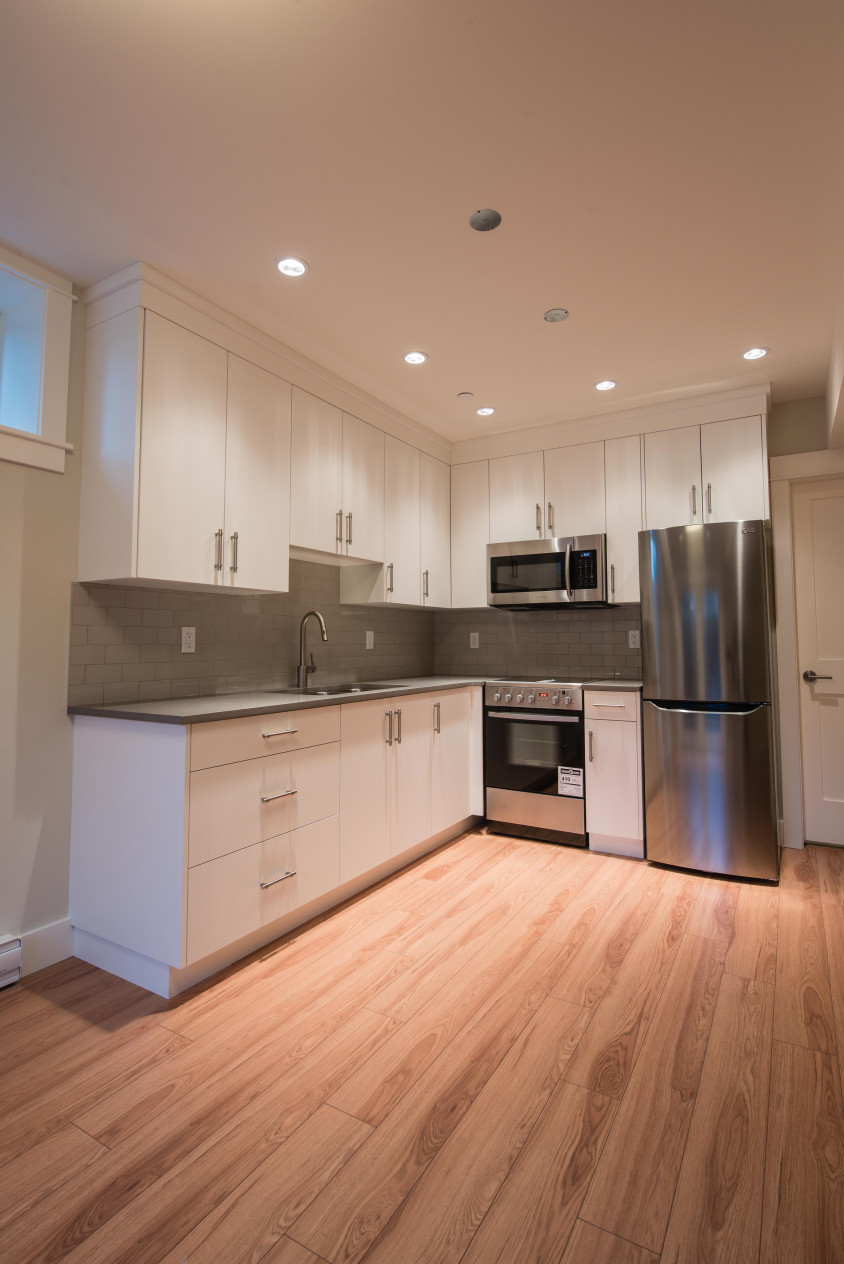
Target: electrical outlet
(188, 640)
(370, 640)
(634, 640)
(474, 640)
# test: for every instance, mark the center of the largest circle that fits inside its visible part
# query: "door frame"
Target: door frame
(785, 472)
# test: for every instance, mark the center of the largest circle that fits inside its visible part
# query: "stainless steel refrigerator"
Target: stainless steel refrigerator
(709, 722)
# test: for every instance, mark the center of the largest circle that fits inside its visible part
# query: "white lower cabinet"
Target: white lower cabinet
(451, 758)
(614, 816)
(364, 786)
(410, 782)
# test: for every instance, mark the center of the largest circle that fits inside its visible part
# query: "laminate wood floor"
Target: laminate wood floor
(508, 1053)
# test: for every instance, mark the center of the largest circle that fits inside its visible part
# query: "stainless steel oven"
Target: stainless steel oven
(548, 574)
(533, 760)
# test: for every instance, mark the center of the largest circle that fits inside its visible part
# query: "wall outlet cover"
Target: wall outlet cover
(634, 640)
(370, 640)
(188, 640)
(474, 640)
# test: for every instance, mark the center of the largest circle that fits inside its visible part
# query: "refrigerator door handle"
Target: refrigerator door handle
(748, 710)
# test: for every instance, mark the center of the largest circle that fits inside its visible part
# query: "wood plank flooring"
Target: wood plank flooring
(508, 1053)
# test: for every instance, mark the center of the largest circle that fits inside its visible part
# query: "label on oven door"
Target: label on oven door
(570, 782)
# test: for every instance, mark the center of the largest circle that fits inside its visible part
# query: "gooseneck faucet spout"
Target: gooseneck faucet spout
(304, 669)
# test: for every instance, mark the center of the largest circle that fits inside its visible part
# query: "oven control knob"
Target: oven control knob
(567, 700)
(531, 697)
(508, 697)
(496, 697)
(520, 697)
(555, 699)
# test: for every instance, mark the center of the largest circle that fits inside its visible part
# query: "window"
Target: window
(35, 310)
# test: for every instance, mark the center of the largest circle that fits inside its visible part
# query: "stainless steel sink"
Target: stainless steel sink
(327, 691)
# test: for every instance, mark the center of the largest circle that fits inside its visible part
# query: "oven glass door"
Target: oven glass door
(525, 750)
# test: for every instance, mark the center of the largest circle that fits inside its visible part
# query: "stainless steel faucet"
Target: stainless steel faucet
(304, 669)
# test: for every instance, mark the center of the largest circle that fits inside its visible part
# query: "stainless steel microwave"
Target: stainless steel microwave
(548, 574)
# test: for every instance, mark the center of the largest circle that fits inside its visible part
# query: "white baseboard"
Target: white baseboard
(46, 945)
(634, 847)
(126, 964)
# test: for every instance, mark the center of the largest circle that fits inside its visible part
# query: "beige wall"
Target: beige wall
(39, 515)
(798, 426)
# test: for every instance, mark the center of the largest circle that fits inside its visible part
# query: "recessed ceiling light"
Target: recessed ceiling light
(756, 353)
(606, 385)
(556, 313)
(416, 357)
(484, 412)
(291, 267)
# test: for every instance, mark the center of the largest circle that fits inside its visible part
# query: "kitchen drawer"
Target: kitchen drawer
(227, 811)
(252, 736)
(609, 705)
(225, 897)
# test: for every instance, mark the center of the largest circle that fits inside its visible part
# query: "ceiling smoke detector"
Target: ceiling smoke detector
(485, 221)
(556, 313)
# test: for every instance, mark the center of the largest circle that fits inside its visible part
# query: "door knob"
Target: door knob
(811, 676)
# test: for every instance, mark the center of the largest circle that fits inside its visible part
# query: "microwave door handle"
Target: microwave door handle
(568, 570)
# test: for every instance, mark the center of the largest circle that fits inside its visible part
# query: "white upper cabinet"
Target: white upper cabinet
(403, 573)
(516, 498)
(623, 472)
(469, 534)
(435, 483)
(672, 478)
(574, 490)
(734, 470)
(337, 481)
(363, 490)
(316, 485)
(182, 455)
(256, 553)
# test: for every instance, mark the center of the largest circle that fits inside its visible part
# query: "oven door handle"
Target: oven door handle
(533, 719)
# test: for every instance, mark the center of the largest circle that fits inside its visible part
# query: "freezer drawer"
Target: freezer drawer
(709, 797)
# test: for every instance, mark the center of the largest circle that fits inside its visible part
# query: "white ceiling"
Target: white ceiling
(670, 172)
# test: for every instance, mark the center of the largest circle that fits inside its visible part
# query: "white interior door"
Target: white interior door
(818, 525)
(672, 478)
(574, 490)
(516, 498)
(316, 483)
(435, 484)
(257, 479)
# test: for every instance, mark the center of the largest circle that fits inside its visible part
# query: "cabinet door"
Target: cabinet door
(183, 454)
(316, 474)
(734, 468)
(613, 783)
(469, 534)
(516, 496)
(364, 787)
(257, 479)
(574, 490)
(623, 469)
(451, 762)
(402, 523)
(672, 478)
(410, 798)
(435, 481)
(363, 490)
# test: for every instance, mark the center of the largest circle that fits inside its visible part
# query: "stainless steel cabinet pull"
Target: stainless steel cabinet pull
(291, 873)
(339, 527)
(218, 550)
(539, 519)
(709, 499)
(436, 717)
(622, 705)
(389, 577)
(398, 726)
(694, 500)
(389, 738)
(811, 676)
(348, 528)
(280, 733)
(285, 794)
(233, 566)
(590, 746)
(568, 570)
(424, 583)
(612, 577)
(550, 518)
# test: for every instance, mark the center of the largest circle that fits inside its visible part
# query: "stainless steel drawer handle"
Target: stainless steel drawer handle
(270, 798)
(550, 519)
(619, 705)
(424, 583)
(389, 577)
(810, 676)
(218, 550)
(280, 733)
(612, 577)
(291, 873)
(437, 718)
(398, 725)
(694, 500)
(539, 518)
(233, 566)
(348, 528)
(339, 527)
(590, 747)
(709, 499)
(389, 718)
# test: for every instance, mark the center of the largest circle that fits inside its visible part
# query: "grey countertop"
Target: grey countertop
(231, 706)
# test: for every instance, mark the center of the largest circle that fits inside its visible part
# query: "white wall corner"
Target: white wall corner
(46, 945)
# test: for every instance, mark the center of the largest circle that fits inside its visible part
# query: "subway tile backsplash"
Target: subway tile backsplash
(125, 642)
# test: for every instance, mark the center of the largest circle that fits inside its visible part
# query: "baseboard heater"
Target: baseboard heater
(10, 960)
